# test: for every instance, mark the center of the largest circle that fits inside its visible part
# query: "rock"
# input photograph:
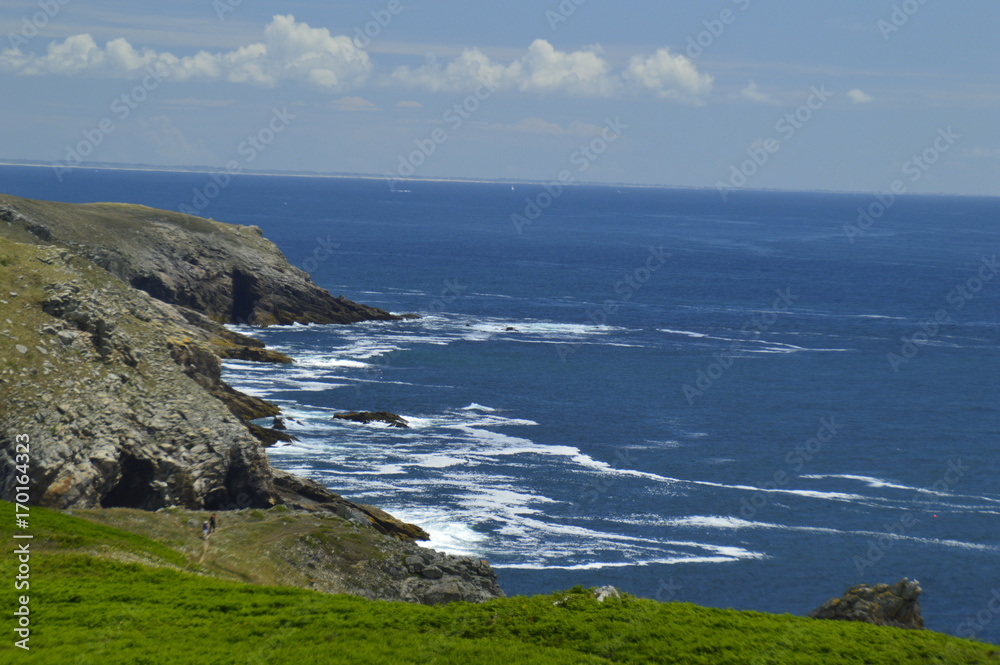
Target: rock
(390, 523)
(268, 436)
(278, 423)
(432, 573)
(883, 605)
(21, 348)
(414, 563)
(605, 592)
(368, 417)
(433, 578)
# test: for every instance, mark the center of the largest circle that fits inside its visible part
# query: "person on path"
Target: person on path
(211, 524)
(204, 529)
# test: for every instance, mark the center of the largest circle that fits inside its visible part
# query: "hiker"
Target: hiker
(204, 529)
(211, 524)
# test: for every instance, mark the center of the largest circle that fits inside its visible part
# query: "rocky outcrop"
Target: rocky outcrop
(432, 578)
(368, 417)
(883, 605)
(304, 494)
(230, 273)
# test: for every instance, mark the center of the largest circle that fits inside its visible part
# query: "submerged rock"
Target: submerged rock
(883, 605)
(368, 417)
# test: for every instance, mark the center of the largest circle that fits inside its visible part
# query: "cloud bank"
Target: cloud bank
(291, 51)
(294, 51)
(543, 69)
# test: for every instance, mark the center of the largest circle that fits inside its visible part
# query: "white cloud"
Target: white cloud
(859, 96)
(290, 51)
(544, 69)
(541, 126)
(753, 93)
(669, 76)
(294, 51)
(353, 104)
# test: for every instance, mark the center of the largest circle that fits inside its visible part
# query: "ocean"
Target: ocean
(752, 403)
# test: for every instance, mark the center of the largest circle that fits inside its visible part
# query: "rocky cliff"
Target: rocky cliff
(230, 273)
(119, 388)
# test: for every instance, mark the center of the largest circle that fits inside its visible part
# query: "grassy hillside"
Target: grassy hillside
(102, 610)
(276, 547)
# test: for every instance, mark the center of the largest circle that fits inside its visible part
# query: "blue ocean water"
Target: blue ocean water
(729, 403)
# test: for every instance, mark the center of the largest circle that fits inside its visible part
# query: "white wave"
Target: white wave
(328, 363)
(448, 535)
(418, 423)
(769, 347)
(550, 329)
(879, 316)
(735, 523)
(811, 494)
(438, 461)
(712, 522)
(389, 470)
(686, 333)
(597, 565)
(478, 407)
(880, 483)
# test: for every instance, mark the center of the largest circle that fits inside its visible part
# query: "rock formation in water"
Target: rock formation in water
(368, 417)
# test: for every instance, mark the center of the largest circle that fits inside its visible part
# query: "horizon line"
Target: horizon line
(118, 166)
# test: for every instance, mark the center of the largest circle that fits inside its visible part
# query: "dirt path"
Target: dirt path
(204, 549)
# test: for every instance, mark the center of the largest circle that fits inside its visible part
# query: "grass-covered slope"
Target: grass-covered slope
(98, 610)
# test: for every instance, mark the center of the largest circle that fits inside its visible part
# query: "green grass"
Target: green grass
(95, 610)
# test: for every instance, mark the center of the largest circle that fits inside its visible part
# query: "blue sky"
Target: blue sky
(735, 93)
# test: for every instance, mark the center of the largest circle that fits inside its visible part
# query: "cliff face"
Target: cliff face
(122, 392)
(230, 273)
(90, 375)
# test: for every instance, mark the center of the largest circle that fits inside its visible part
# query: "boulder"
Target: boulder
(883, 605)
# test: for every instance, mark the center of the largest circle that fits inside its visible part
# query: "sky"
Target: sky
(852, 95)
